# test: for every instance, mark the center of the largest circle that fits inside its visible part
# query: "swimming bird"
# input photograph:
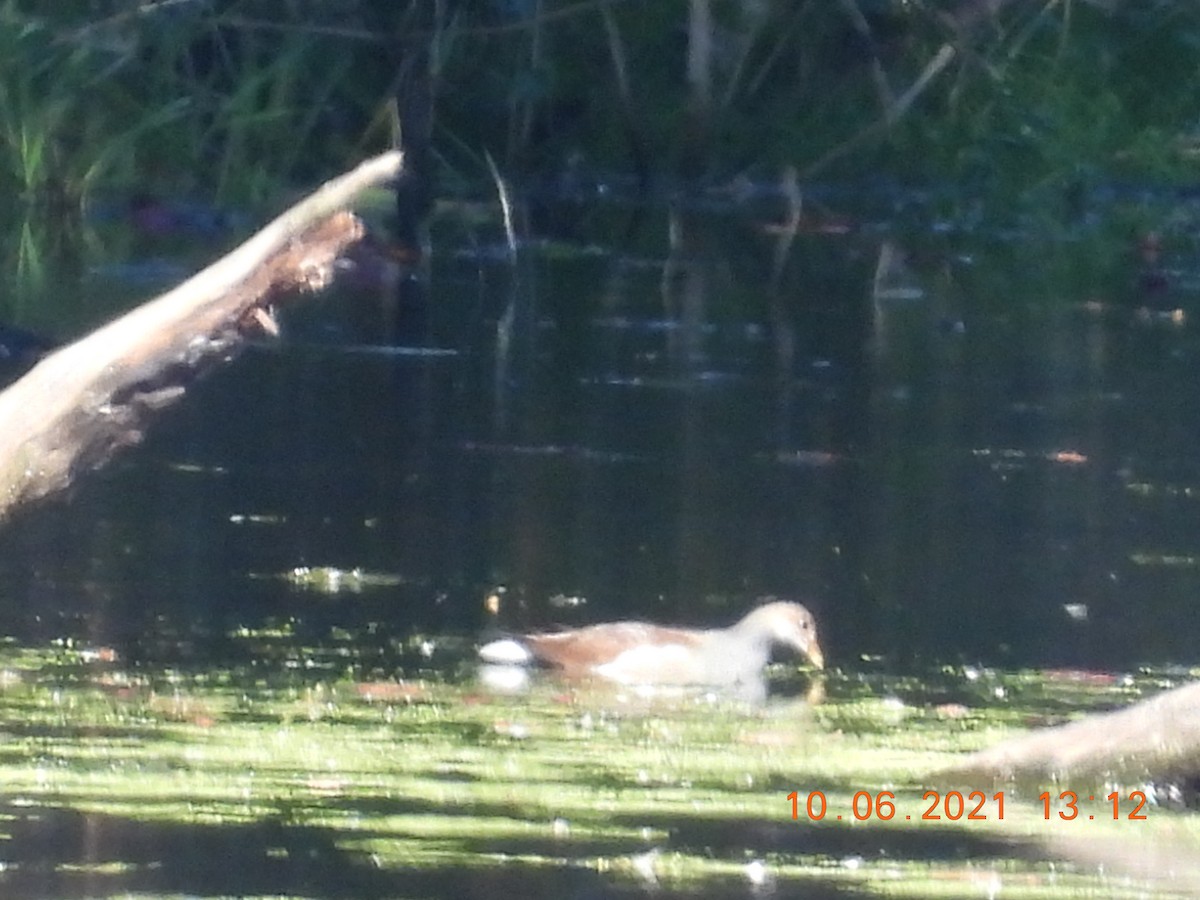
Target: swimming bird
(642, 653)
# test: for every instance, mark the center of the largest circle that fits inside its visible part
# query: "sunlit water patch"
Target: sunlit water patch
(315, 783)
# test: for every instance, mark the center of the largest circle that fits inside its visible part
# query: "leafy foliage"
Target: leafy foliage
(236, 98)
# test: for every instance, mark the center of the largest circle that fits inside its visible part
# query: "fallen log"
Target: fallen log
(1152, 740)
(82, 403)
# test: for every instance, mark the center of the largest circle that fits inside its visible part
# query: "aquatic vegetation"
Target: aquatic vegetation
(136, 779)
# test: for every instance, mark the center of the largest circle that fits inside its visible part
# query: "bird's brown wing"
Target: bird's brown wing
(580, 650)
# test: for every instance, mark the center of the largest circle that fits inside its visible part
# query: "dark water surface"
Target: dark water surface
(953, 448)
(970, 454)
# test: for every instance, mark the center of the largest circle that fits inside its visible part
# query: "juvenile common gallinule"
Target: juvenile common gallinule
(641, 653)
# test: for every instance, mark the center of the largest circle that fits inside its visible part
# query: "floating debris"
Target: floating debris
(1147, 489)
(1165, 560)
(567, 451)
(332, 580)
(1067, 457)
(197, 468)
(1007, 456)
(813, 459)
(257, 519)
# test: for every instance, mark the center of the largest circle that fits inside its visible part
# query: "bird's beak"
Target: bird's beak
(815, 656)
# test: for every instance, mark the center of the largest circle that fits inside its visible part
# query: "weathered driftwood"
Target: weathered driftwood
(79, 405)
(1156, 739)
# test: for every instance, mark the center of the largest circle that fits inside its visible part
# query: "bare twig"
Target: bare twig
(616, 50)
(878, 76)
(754, 18)
(782, 42)
(891, 116)
(510, 231)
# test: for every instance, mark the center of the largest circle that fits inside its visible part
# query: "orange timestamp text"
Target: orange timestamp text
(955, 805)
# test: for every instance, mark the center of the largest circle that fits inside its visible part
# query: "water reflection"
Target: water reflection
(941, 449)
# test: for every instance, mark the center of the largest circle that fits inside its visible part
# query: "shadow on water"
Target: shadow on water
(61, 853)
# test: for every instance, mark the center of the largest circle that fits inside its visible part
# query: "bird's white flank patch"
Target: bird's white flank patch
(506, 652)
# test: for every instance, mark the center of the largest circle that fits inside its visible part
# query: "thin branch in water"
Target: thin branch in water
(959, 27)
(754, 18)
(1032, 28)
(505, 207)
(789, 184)
(783, 41)
(700, 52)
(892, 115)
(882, 88)
(616, 50)
(524, 113)
(941, 59)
